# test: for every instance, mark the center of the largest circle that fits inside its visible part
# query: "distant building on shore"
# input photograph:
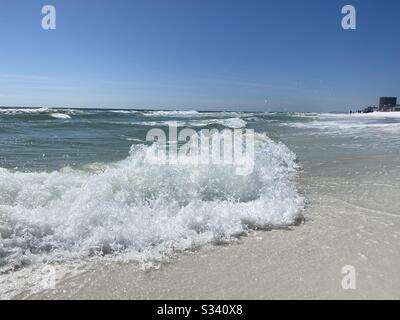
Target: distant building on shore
(388, 104)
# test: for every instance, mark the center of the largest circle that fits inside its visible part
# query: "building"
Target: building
(387, 103)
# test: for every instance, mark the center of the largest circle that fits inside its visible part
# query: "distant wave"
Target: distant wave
(60, 116)
(234, 123)
(125, 111)
(22, 110)
(159, 123)
(170, 113)
(197, 114)
(36, 111)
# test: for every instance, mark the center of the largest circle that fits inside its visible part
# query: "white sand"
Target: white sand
(352, 219)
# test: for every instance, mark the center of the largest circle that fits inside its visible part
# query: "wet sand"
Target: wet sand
(352, 218)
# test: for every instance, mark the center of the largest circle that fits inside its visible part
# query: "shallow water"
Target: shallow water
(48, 139)
(74, 184)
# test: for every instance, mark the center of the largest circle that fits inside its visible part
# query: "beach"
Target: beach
(351, 219)
(187, 150)
(344, 213)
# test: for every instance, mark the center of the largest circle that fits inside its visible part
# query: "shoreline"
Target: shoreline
(345, 225)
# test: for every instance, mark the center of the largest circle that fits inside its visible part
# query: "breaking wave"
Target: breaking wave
(172, 113)
(233, 123)
(60, 116)
(134, 211)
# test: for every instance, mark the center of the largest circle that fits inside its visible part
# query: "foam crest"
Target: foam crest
(134, 211)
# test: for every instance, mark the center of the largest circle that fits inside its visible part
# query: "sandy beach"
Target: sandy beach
(352, 218)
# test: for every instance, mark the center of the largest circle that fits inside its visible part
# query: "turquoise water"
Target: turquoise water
(49, 139)
(74, 184)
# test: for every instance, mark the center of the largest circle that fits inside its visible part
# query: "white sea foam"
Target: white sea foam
(159, 123)
(350, 124)
(134, 211)
(172, 113)
(51, 111)
(134, 139)
(22, 110)
(234, 123)
(125, 111)
(60, 116)
(195, 114)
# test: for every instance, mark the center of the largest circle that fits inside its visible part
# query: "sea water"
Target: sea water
(74, 184)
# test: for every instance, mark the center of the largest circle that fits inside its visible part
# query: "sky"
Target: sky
(280, 55)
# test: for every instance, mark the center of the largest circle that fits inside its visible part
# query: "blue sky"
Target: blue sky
(199, 54)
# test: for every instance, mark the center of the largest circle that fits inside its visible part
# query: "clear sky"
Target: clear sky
(280, 55)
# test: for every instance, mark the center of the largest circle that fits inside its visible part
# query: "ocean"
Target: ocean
(74, 185)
